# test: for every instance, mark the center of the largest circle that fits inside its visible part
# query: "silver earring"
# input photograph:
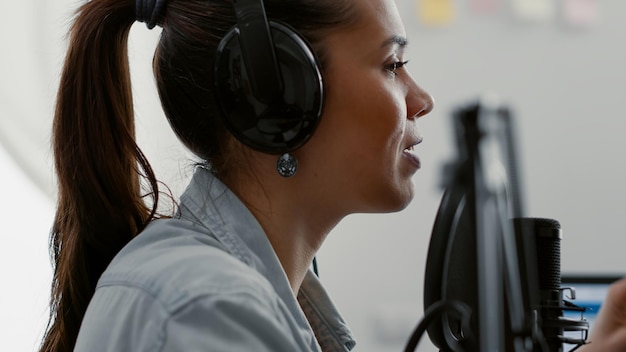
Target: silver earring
(287, 165)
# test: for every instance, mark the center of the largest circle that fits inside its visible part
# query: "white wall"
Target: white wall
(24, 265)
(566, 86)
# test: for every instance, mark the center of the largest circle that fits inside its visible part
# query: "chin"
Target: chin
(402, 205)
(406, 196)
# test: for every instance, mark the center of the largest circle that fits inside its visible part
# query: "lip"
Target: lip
(411, 155)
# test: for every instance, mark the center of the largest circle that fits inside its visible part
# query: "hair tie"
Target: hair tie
(149, 11)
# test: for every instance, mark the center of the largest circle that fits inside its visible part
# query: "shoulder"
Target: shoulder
(175, 259)
(175, 288)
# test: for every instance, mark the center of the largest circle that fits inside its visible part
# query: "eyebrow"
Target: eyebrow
(395, 39)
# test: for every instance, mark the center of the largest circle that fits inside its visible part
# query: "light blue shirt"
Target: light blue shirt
(207, 280)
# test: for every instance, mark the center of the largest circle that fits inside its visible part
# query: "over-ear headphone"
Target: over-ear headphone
(268, 82)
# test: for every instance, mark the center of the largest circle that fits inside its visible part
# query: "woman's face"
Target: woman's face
(363, 153)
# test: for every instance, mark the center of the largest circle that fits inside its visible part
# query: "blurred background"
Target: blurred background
(559, 65)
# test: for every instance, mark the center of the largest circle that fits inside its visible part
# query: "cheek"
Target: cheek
(383, 119)
(365, 108)
(370, 102)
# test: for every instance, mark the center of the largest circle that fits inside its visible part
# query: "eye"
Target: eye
(393, 67)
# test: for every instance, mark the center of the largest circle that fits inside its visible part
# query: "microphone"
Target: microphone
(493, 278)
(544, 236)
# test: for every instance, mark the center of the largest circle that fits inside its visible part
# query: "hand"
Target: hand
(609, 329)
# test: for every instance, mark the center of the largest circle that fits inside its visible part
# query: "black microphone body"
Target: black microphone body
(548, 236)
(543, 236)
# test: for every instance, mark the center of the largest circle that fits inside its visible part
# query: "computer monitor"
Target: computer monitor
(591, 290)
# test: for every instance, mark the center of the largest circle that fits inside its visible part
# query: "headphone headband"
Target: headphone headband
(257, 49)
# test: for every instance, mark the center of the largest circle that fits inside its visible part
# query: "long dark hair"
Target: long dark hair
(107, 191)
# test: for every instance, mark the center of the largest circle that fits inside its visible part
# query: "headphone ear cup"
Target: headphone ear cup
(287, 122)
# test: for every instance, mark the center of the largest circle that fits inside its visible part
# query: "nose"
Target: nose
(418, 101)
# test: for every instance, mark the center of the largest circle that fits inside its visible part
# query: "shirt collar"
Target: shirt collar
(210, 203)
(330, 329)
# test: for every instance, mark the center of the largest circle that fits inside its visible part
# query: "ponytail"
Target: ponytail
(101, 171)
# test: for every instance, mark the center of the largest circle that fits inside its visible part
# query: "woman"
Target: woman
(230, 270)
